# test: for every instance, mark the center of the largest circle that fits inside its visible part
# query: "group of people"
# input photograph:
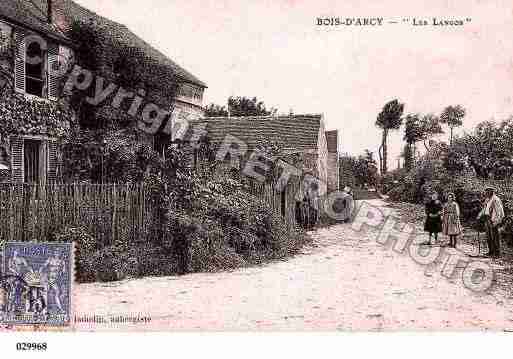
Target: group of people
(445, 218)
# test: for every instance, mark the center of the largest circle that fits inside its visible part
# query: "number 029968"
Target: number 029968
(31, 347)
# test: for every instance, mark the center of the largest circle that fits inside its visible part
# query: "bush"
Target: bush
(430, 175)
(228, 228)
(113, 264)
(85, 246)
(94, 264)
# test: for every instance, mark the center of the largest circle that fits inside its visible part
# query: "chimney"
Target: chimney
(49, 11)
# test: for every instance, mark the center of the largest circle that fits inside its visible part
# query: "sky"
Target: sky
(275, 51)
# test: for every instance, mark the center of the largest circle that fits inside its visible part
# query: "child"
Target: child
(451, 220)
(433, 224)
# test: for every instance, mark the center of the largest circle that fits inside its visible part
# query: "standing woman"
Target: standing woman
(451, 220)
(433, 223)
(348, 204)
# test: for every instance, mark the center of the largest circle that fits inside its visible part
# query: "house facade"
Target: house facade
(35, 116)
(189, 94)
(332, 140)
(32, 118)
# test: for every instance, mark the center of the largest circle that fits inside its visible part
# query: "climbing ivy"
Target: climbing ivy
(22, 116)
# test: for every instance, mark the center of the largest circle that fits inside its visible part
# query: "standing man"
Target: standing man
(492, 214)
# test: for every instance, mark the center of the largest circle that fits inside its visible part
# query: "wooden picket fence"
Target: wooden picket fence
(284, 203)
(108, 212)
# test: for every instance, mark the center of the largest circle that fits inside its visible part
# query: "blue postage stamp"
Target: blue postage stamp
(36, 282)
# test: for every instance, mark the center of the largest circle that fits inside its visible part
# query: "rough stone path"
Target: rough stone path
(344, 281)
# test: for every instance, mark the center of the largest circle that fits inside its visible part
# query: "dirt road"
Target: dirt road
(344, 281)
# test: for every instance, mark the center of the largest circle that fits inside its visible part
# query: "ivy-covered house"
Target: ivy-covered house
(38, 119)
(33, 119)
(131, 62)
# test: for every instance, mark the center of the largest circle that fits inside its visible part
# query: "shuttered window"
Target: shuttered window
(17, 163)
(41, 79)
(35, 74)
(19, 61)
(53, 71)
(34, 160)
(53, 162)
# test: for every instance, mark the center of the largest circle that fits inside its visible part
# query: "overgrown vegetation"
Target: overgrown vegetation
(207, 221)
(480, 158)
(203, 219)
(358, 171)
(239, 106)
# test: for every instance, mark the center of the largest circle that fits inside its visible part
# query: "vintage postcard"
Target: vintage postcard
(256, 166)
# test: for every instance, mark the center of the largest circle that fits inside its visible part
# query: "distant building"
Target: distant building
(333, 161)
(304, 135)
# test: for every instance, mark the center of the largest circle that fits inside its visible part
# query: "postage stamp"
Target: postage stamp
(37, 283)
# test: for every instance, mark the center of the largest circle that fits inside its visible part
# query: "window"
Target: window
(284, 202)
(35, 73)
(32, 161)
(160, 142)
(34, 78)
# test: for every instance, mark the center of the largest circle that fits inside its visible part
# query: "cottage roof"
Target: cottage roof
(33, 14)
(28, 14)
(293, 133)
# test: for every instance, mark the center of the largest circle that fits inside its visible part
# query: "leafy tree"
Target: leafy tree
(453, 116)
(238, 107)
(488, 150)
(413, 132)
(420, 128)
(363, 169)
(245, 106)
(390, 118)
(430, 126)
(214, 110)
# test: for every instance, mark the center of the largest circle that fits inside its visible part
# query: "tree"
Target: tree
(453, 116)
(420, 128)
(413, 132)
(488, 149)
(390, 118)
(245, 106)
(238, 107)
(358, 171)
(430, 126)
(214, 110)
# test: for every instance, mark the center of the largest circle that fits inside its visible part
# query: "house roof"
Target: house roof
(124, 34)
(293, 133)
(332, 141)
(28, 14)
(32, 13)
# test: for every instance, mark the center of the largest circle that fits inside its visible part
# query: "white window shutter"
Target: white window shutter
(53, 70)
(19, 61)
(17, 162)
